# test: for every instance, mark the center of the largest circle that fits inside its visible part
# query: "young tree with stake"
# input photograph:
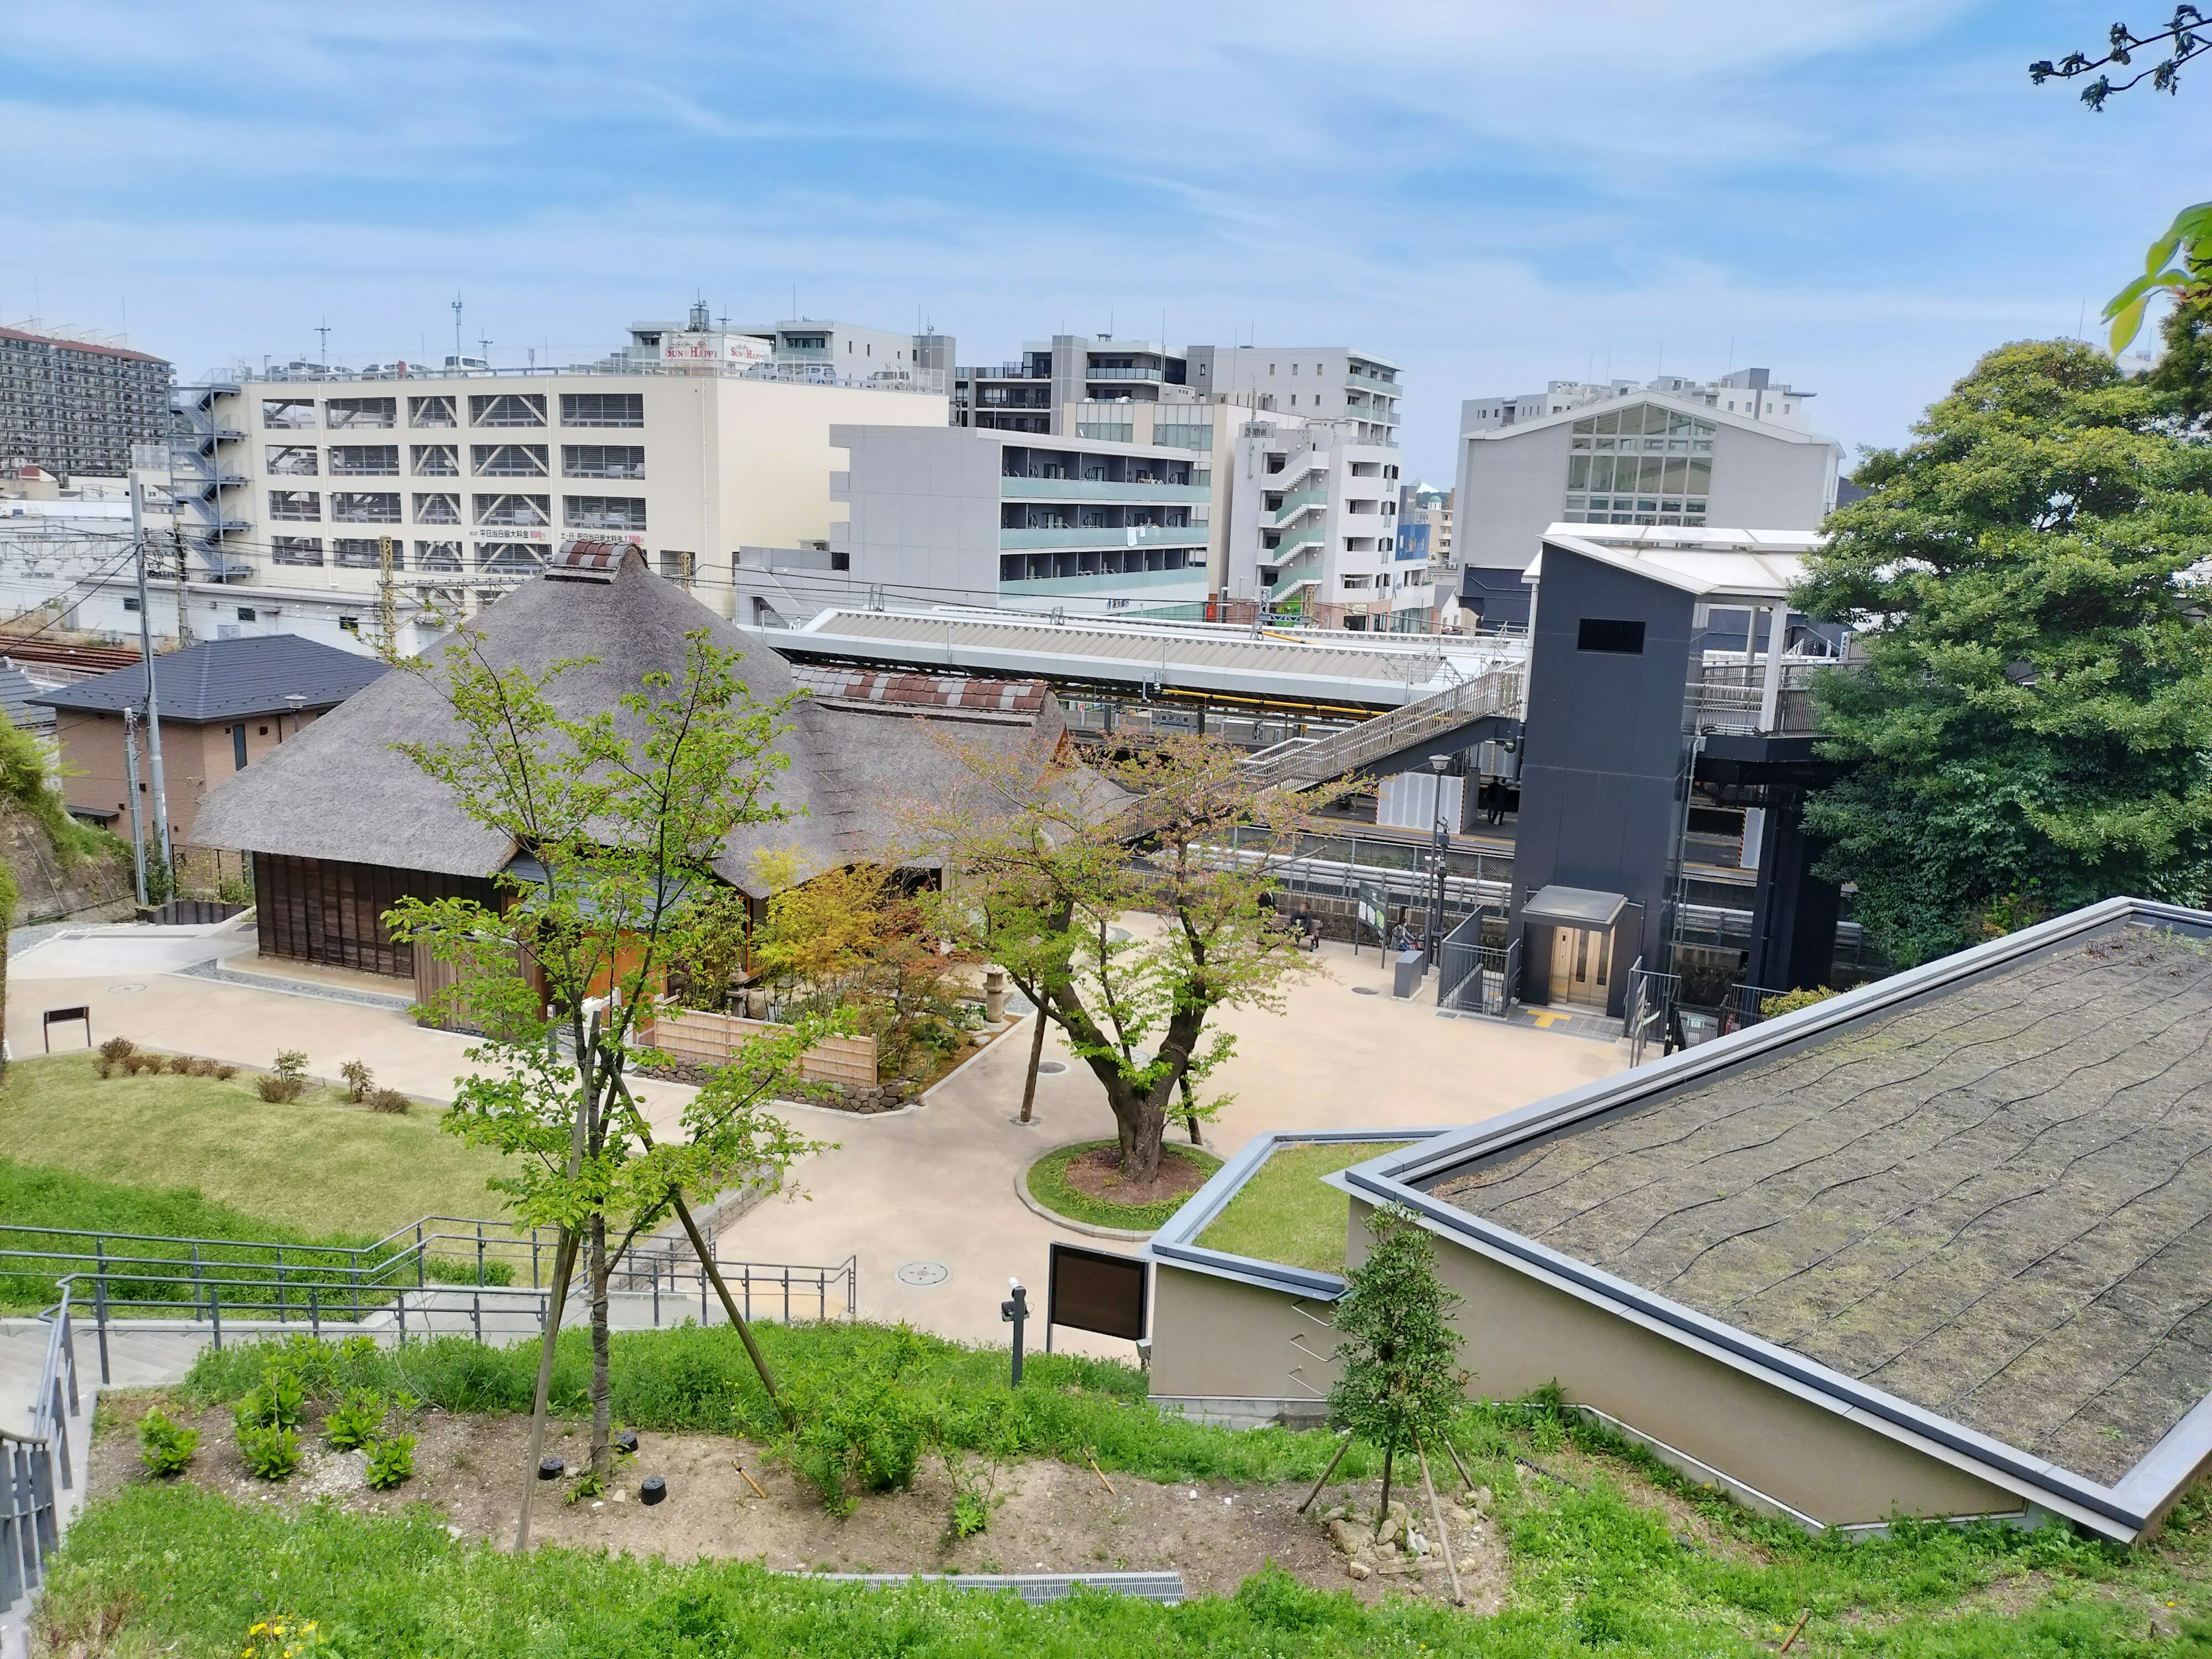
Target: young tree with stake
(624, 810)
(1040, 866)
(1399, 1381)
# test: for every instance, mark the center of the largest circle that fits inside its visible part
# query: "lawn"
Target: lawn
(319, 1165)
(1284, 1214)
(1049, 1184)
(1606, 1551)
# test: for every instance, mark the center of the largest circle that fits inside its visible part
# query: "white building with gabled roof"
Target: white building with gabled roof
(1640, 457)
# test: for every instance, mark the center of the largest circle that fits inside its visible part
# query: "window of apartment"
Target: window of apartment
(1359, 507)
(602, 460)
(363, 553)
(340, 414)
(287, 412)
(437, 556)
(510, 558)
(437, 510)
(434, 410)
(436, 460)
(296, 458)
(602, 512)
(508, 460)
(514, 509)
(295, 504)
(1356, 581)
(295, 549)
(602, 409)
(507, 409)
(364, 460)
(677, 567)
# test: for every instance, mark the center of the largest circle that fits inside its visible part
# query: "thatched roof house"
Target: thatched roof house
(341, 825)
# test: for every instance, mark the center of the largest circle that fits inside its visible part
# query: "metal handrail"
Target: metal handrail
(36, 1469)
(1499, 690)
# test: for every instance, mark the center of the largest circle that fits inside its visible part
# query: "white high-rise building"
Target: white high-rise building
(1751, 393)
(1313, 523)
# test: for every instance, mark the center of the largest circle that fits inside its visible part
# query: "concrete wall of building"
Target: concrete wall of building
(924, 508)
(1762, 482)
(1602, 747)
(1221, 1338)
(1523, 1333)
(194, 758)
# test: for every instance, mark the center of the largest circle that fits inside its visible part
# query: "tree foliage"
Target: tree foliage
(1400, 1380)
(2033, 724)
(624, 810)
(1038, 877)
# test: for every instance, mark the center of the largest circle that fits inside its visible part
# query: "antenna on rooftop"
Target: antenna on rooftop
(324, 329)
(457, 353)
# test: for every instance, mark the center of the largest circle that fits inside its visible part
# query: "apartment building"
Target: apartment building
(465, 481)
(1637, 456)
(960, 515)
(75, 406)
(1035, 392)
(1327, 383)
(1313, 525)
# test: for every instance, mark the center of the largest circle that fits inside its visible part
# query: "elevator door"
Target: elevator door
(1581, 962)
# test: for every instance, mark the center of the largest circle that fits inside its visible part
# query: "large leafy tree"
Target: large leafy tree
(1042, 864)
(2033, 728)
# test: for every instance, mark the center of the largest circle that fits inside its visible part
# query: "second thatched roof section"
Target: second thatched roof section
(342, 792)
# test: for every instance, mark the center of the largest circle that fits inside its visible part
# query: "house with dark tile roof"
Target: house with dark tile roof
(224, 704)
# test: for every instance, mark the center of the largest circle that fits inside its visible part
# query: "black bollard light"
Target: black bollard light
(627, 1442)
(551, 1468)
(1015, 1312)
(652, 1490)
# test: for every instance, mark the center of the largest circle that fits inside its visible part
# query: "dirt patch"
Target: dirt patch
(1054, 1518)
(1096, 1173)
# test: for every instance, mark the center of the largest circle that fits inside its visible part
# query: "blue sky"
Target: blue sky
(1860, 194)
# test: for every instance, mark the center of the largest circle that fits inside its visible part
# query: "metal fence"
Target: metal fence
(1651, 997)
(35, 1466)
(1474, 978)
(422, 1281)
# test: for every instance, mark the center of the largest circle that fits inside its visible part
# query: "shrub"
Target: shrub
(275, 1402)
(114, 1053)
(274, 1087)
(390, 1100)
(182, 1065)
(391, 1462)
(204, 1068)
(1789, 1002)
(226, 1073)
(165, 1449)
(359, 1080)
(133, 1064)
(353, 1424)
(270, 1453)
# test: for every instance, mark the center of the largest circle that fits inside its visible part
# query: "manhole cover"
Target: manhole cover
(126, 986)
(1055, 1067)
(1365, 991)
(923, 1274)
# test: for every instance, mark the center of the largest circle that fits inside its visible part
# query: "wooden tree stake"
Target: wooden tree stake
(1325, 1473)
(564, 1264)
(1443, 1537)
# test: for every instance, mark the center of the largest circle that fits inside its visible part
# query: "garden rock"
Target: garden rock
(1359, 1570)
(1347, 1537)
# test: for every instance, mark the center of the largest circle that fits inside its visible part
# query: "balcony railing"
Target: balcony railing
(1136, 373)
(1135, 535)
(1096, 490)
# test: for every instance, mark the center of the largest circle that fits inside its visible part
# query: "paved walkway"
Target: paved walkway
(937, 1185)
(932, 1185)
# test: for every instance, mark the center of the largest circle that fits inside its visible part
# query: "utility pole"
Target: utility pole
(146, 662)
(131, 776)
(1438, 764)
(184, 627)
(387, 607)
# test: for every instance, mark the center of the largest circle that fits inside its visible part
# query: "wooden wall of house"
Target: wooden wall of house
(315, 910)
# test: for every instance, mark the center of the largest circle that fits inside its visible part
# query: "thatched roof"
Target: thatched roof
(341, 792)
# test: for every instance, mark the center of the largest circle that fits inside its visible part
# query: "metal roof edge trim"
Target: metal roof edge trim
(1176, 1244)
(1559, 1110)
(1888, 1415)
(2160, 1473)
